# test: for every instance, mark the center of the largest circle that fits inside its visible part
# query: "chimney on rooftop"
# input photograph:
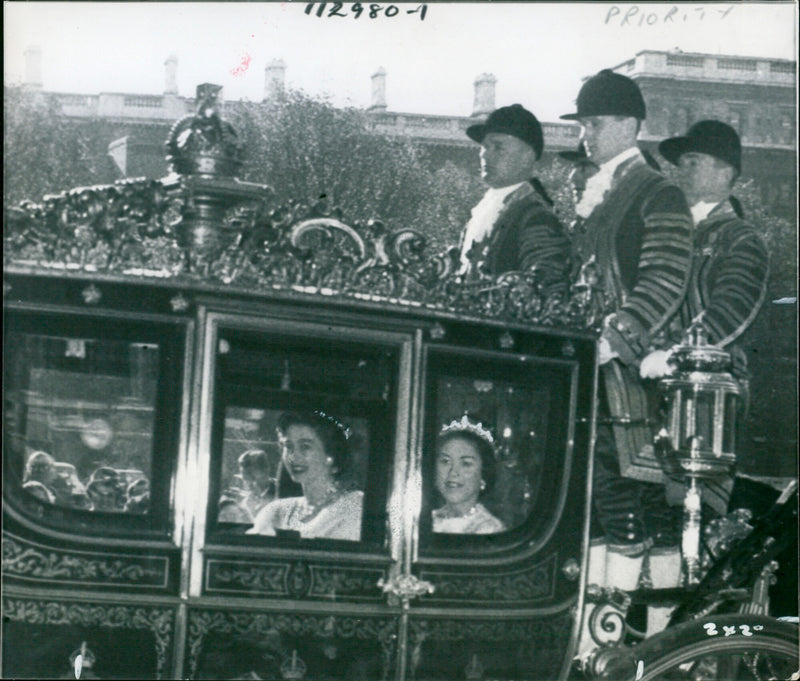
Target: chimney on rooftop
(171, 75)
(378, 102)
(484, 94)
(274, 78)
(33, 66)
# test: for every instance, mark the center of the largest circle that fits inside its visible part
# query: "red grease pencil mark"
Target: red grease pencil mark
(244, 64)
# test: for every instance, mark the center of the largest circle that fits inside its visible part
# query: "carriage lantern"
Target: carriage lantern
(697, 442)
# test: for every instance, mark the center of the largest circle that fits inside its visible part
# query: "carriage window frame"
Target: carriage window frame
(170, 336)
(538, 527)
(382, 422)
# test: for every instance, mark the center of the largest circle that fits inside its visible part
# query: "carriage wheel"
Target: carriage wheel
(725, 648)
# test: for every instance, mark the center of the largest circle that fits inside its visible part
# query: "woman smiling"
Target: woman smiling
(315, 454)
(465, 468)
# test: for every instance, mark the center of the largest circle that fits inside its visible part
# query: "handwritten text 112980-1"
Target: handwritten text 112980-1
(357, 9)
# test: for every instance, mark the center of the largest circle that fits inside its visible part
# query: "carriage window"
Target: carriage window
(79, 420)
(495, 444)
(301, 435)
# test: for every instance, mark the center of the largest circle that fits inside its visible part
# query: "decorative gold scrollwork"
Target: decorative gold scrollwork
(607, 625)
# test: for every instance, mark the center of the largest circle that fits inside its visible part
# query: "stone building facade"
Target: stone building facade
(755, 95)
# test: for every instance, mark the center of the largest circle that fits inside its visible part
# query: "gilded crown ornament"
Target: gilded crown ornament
(293, 668)
(464, 425)
(202, 143)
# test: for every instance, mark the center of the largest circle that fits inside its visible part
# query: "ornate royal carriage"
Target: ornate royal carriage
(155, 329)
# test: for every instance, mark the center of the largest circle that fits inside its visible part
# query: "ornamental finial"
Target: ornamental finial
(203, 143)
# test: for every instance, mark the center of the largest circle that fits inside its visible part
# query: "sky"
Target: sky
(539, 52)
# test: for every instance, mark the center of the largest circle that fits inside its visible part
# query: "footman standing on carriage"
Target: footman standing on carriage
(728, 282)
(730, 266)
(632, 244)
(513, 227)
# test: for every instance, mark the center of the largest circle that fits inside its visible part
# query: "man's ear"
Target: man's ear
(729, 170)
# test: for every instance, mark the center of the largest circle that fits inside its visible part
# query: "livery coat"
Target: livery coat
(728, 285)
(525, 235)
(635, 249)
(728, 281)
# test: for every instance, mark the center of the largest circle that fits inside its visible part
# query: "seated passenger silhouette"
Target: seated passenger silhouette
(138, 496)
(259, 485)
(68, 488)
(104, 489)
(40, 468)
(39, 490)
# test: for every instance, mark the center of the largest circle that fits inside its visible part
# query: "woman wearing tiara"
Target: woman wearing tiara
(314, 451)
(465, 469)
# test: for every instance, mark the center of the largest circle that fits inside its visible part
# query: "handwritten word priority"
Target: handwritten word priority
(635, 15)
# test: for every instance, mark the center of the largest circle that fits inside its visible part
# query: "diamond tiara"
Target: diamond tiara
(336, 422)
(465, 425)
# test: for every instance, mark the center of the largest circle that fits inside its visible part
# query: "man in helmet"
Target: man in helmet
(730, 267)
(633, 243)
(513, 227)
(729, 274)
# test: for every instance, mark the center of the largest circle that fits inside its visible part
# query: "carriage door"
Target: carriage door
(498, 586)
(296, 601)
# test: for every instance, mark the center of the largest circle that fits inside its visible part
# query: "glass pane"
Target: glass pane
(297, 421)
(505, 485)
(729, 428)
(495, 444)
(700, 413)
(80, 420)
(253, 474)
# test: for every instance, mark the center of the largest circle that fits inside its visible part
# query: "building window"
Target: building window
(736, 64)
(737, 119)
(683, 60)
(782, 67)
(787, 128)
(679, 120)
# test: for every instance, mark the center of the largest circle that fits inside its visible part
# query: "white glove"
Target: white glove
(605, 353)
(656, 365)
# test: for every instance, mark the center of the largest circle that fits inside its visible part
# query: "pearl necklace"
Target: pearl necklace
(310, 510)
(444, 513)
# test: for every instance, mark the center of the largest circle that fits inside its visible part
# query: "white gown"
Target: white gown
(340, 519)
(478, 521)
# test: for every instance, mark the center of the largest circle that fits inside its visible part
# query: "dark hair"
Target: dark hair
(484, 449)
(254, 458)
(332, 433)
